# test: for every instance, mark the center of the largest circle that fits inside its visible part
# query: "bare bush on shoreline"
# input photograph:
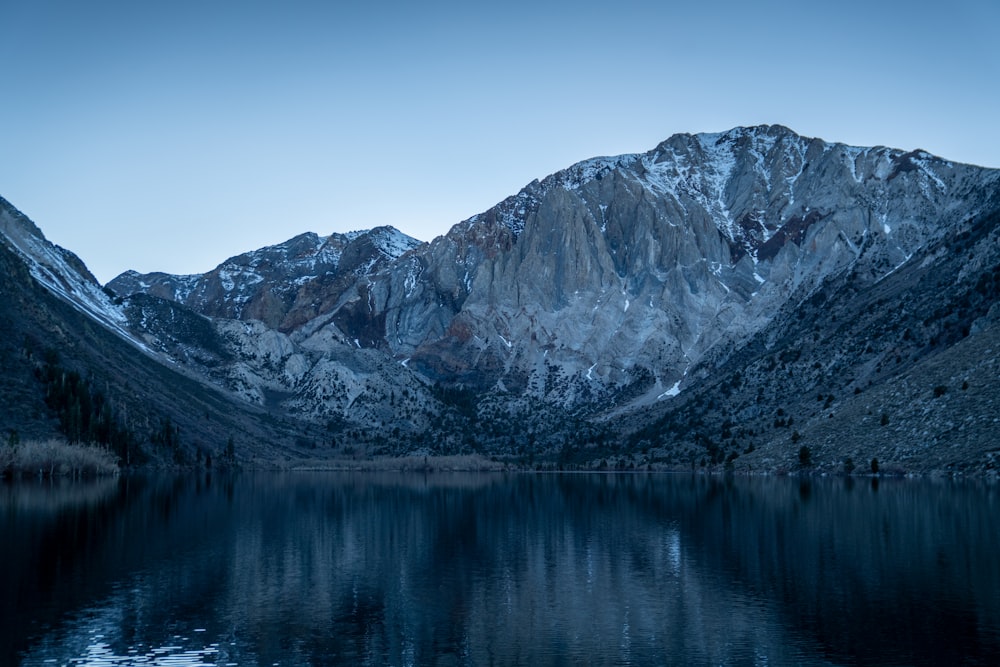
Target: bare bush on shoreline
(410, 463)
(56, 458)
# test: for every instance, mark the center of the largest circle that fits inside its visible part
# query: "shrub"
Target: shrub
(50, 458)
(805, 455)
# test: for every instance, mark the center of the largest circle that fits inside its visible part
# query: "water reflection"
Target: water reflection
(495, 569)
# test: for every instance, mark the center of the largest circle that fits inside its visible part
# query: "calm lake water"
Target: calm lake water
(492, 569)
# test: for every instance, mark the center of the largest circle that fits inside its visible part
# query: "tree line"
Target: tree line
(86, 414)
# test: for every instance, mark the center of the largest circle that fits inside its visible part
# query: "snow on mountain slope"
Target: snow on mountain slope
(609, 281)
(635, 281)
(60, 271)
(626, 270)
(266, 284)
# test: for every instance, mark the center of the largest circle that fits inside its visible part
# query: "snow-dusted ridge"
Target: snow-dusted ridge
(269, 282)
(712, 233)
(62, 272)
(392, 242)
(708, 170)
(604, 282)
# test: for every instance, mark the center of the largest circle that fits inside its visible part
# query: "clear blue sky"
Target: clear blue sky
(171, 135)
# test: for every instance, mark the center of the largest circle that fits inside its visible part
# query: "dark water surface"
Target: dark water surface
(329, 569)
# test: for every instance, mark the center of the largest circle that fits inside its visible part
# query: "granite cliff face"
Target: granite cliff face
(623, 273)
(601, 301)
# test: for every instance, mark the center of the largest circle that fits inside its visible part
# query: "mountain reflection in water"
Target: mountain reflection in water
(329, 568)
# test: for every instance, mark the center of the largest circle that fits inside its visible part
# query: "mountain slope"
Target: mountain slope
(55, 316)
(705, 301)
(627, 271)
(901, 371)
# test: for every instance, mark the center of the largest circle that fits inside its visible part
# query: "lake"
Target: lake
(498, 569)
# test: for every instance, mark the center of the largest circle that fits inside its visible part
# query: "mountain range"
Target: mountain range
(752, 299)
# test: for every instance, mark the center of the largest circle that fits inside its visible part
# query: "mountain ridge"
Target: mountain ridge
(607, 292)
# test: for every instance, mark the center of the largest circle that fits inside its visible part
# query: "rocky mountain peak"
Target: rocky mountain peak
(708, 232)
(273, 282)
(713, 265)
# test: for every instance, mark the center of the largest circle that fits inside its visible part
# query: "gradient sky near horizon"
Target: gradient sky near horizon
(168, 136)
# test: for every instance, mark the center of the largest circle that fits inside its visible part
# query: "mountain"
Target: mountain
(282, 285)
(627, 271)
(723, 298)
(71, 369)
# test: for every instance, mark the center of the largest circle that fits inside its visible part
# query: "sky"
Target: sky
(169, 136)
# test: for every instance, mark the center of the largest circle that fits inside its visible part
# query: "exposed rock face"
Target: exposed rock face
(283, 285)
(628, 269)
(617, 274)
(605, 291)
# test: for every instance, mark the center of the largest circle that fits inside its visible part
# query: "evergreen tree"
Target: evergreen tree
(84, 414)
(805, 455)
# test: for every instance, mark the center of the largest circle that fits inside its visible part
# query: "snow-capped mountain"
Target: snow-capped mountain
(278, 281)
(618, 293)
(628, 270)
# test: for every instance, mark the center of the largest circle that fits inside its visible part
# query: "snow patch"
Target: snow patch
(393, 243)
(925, 162)
(851, 155)
(584, 172)
(412, 275)
(670, 393)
